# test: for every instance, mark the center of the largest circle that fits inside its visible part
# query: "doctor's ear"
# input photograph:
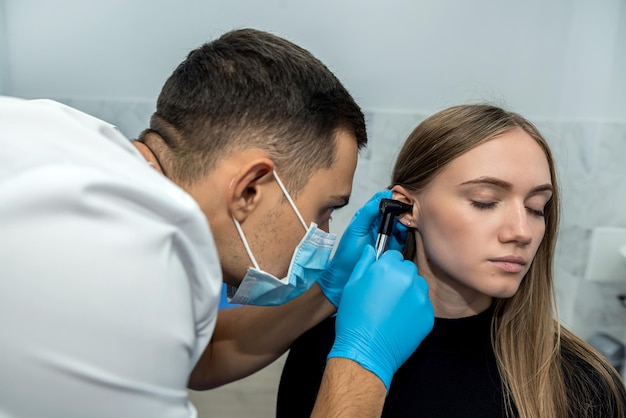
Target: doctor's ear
(248, 187)
(408, 219)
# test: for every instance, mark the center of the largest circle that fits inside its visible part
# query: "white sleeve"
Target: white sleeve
(108, 295)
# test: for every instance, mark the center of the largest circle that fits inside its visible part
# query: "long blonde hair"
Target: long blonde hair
(539, 381)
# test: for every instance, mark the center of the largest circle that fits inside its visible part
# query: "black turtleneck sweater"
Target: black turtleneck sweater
(453, 373)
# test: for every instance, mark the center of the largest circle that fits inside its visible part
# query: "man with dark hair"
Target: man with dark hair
(110, 273)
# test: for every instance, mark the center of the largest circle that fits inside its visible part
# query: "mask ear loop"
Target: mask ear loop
(243, 236)
(245, 243)
(293, 205)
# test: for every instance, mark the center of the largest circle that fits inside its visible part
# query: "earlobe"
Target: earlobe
(408, 219)
(247, 187)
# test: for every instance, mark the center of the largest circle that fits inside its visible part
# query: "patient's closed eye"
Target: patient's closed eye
(484, 205)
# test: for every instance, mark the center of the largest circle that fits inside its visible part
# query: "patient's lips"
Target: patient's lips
(509, 264)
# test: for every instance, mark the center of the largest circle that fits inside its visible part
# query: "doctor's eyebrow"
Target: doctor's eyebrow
(506, 185)
(338, 201)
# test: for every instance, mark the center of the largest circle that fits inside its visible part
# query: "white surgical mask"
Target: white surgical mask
(309, 260)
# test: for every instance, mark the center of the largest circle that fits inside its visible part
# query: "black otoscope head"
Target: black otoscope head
(388, 209)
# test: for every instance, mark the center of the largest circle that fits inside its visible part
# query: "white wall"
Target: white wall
(3, 50)
(593, 72)
(554, 59)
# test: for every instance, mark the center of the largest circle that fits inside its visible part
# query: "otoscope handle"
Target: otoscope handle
(386, 222)
(388, 208)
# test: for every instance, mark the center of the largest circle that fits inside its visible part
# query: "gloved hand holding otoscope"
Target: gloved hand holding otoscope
(379, 336)
(362, 231)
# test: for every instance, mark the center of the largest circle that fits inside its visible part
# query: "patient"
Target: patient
(482, 233)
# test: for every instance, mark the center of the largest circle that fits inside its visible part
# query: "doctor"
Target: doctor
(110, 275)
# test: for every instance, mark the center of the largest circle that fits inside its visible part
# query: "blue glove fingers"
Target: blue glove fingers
(359, 233)
(397, 240)
(384, 314)
(368, 257)
(363, 218)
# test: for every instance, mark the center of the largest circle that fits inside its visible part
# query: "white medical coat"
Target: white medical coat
(109, 276)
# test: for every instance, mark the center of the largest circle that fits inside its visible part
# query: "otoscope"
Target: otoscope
(389, 208)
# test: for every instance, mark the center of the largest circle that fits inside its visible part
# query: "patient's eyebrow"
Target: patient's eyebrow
(489, 181)
(506, 185)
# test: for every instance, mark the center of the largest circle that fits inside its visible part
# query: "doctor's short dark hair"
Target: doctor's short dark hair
(249, 88)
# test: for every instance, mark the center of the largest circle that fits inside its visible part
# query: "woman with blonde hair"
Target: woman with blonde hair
(482, 232)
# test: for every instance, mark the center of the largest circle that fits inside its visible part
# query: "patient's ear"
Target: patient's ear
(408, 219)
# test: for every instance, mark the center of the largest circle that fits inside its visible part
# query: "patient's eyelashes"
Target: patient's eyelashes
(491, 205)
(484, 205)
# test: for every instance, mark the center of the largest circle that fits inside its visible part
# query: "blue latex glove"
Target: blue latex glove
(362, 231)
(384, 314)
